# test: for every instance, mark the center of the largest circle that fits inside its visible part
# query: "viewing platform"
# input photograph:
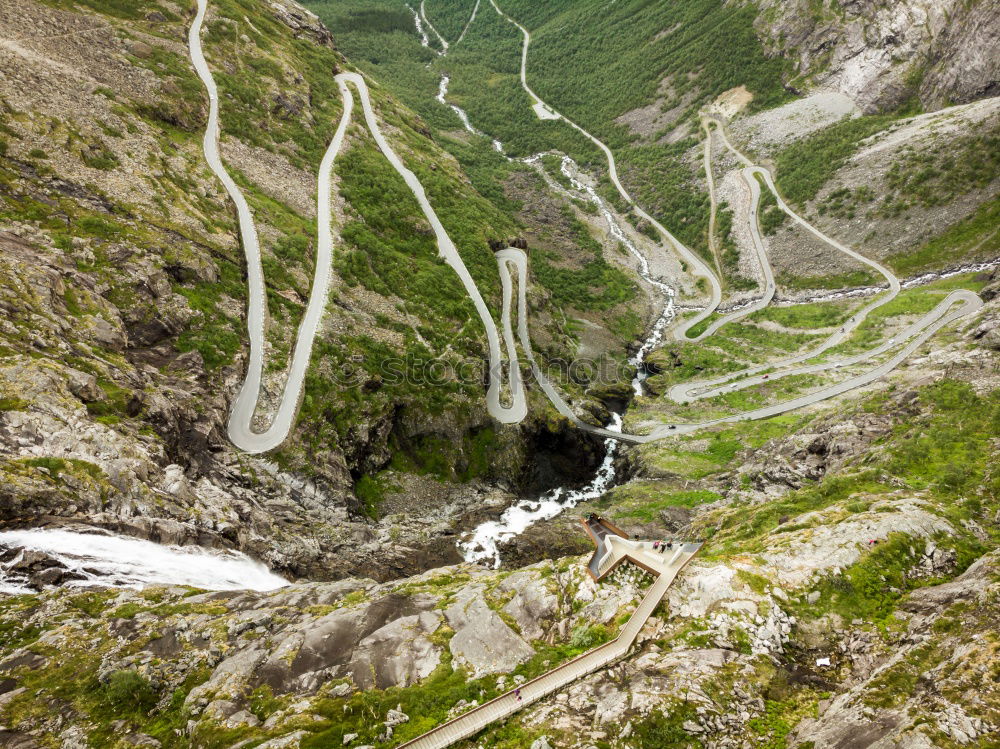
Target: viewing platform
(613, 549)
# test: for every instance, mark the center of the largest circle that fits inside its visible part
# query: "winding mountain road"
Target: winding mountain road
(914, 335)
(501, 369)
(700, 268)
(687, 392)
(240, 426)
(423, 14)
(240, 420)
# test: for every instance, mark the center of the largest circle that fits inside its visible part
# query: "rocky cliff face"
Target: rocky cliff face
(740, 651)
(882, 53)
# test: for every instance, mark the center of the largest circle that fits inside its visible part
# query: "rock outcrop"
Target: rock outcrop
(883, 53)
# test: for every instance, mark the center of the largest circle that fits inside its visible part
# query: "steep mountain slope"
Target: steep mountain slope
(883, 54)
(845, 594)
(858, 533)
(124, 332)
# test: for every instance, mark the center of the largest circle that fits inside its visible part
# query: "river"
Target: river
(482, 545)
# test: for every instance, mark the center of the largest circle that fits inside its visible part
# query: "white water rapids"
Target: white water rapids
(570, 170)
(123, 562)
(462, 114)
(483, 545)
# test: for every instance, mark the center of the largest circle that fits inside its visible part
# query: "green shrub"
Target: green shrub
(973, 236)
(807, 164)
(128, 693)
(769, 215)
(586, 636)
(370, 494)
(664, 729)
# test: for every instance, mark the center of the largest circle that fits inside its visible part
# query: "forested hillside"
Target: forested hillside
(747, 494)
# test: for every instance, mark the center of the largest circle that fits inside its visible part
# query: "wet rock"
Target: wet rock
(53, 576)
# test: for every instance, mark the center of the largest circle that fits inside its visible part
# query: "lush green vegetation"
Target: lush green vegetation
(214, 334)
(745, 529)
(690, 462)
(484, 71)
(128, 693)
(871, 588)
(57, 466)
(940, 173)
(428, 703)
(663, 184)
(807, 316)
(663, 729)
(807, 164)
(844, 202)
(949, 451)
(597, 285)
(609, 79)
(249, 84)
(975, 236)
(739, 339)
(769, 215)
(872, 329)
(729, 252)
(645, 500)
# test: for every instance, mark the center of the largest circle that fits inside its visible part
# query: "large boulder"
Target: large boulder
(482, 640)
(399, 654)
(533, 605)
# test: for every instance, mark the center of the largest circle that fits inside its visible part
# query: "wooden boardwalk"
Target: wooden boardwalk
(613, 550)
